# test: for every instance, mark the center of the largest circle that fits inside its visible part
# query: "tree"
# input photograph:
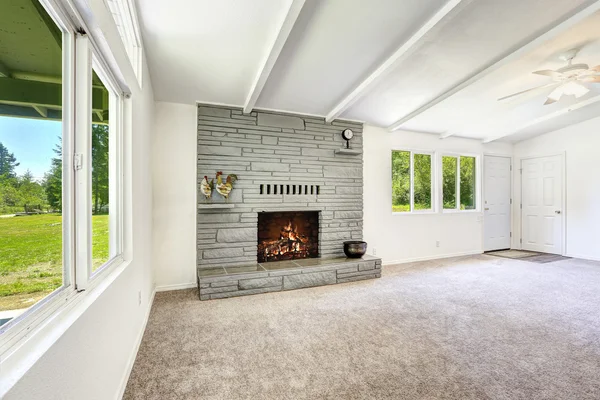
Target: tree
(53, 181)
(449, 165)
(401, 181)
(8, 162)
(422, 181)
(99, 167)
(31, 193)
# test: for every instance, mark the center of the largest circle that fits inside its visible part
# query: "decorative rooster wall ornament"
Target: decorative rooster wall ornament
(224, 188)
(207, 187)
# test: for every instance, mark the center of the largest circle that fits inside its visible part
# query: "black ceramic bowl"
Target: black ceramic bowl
(355, 248)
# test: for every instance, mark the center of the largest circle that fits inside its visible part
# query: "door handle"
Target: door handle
(557, 212)
(486, 209)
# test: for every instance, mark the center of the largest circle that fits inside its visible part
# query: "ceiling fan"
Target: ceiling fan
(569, 80)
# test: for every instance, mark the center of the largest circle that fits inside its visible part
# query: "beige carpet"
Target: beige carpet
(466, 328)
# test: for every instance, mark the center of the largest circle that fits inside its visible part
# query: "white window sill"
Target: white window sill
(430, 212)
(37, 339)
(461, 212)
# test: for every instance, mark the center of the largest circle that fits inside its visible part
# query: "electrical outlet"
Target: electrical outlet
(140, 298)
(374, 251)
(437, 243)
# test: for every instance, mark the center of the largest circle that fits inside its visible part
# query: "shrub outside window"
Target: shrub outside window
(459, 183)
(412, 181)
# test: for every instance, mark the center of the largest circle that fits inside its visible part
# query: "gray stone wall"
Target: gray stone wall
(267, 148)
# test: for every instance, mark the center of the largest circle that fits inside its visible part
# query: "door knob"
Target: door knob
(557, 212)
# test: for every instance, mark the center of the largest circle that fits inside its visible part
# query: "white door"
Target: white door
(542, 208)
(496, 203)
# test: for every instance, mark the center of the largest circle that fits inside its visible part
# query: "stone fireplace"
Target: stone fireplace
(287, 235)
(298, 197)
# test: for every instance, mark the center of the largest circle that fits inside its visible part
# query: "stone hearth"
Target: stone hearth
(277, 276)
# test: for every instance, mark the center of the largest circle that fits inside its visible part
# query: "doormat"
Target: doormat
(531, 256)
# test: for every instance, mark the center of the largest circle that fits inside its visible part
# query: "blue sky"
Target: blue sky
(31, 141)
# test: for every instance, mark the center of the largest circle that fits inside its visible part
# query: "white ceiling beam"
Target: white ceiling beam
(516, 52)
(269, 62)
(547, 117)
(393, 60)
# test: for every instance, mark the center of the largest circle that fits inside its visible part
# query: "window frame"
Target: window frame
(80, 55)
(12, 331)
(412, 211)
(458, 156)
(126, 20)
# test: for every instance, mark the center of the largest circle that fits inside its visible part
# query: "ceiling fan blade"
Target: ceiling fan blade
(592, 79)
(529, 90)
(596, 68)
(555, 95)
(548, 72)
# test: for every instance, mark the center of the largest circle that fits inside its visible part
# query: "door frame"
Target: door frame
(483, 186)
(563, 187)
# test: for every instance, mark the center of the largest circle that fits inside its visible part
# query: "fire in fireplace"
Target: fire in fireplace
(288, 235)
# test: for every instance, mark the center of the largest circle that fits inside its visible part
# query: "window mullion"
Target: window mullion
(68, 140)
(458, 183)
(412, 181)
(83, 157)
(433, 168)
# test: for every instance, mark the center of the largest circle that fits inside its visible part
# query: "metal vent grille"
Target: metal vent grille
(290, 190)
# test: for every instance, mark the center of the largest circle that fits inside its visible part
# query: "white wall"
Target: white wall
(580, 144)
(404, 237)
(174, 180)
(92, 358)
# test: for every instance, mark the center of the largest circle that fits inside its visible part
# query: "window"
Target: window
(459, 183)
(411, 182)
(60, 168)
(123, 12)
(33, 230)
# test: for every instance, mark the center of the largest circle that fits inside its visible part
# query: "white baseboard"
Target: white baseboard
(436, 257)
(179, 286)
(583, 257)
(136, 348)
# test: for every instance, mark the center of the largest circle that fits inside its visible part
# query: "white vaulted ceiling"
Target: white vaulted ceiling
(435, 66)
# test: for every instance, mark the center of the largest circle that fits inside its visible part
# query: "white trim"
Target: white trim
(136, 348)
(582, 257)
(429, 258)
(513, 54)
(83, 147)
(72, 8)
(177, 286)
(273, 54)
(389, 64)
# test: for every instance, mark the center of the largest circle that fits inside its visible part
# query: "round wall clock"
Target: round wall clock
(347, 134)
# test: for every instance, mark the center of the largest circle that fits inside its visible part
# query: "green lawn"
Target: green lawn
(31, 256)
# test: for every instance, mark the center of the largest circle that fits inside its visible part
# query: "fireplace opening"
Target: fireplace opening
(288, 235)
